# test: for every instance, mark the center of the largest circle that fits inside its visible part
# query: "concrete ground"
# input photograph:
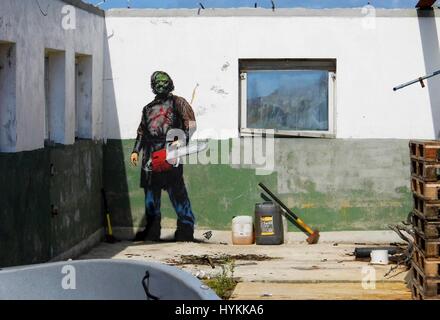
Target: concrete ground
(294, 270)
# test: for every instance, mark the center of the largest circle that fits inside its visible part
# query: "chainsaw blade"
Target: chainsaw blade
(186, 150)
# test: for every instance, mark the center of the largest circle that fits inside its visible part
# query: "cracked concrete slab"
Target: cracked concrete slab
(296, 261)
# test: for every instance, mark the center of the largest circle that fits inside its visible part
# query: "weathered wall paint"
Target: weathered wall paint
(56, 96)
(202, 52)
(8, 84)
(29, 233)
(34, 30)
(25, 208)
(333, 184)
(75, 188)
(84, 96)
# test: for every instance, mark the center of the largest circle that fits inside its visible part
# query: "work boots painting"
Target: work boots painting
(151, 231)
(184, 232)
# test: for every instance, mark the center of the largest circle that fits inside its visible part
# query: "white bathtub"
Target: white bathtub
(101, 280)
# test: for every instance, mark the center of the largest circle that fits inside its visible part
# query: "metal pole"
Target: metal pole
(435, 73)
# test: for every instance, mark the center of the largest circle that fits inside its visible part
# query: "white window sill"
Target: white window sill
(245, 132)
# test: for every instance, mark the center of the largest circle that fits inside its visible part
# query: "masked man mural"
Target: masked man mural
(166, 112)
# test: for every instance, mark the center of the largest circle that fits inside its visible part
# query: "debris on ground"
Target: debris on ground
(266, 294)
(364, 253)
(208, 235)
(247, 264)
(306, 268)
(407, 233)
(200, 274)
(216, 259)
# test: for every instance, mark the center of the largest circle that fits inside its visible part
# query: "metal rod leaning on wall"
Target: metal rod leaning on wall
(313, 234)
(420, 80)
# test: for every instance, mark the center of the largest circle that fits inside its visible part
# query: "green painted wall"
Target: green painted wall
(332, 184)
(29, 233)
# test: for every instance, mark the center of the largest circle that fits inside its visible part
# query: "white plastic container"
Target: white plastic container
(243, 230)
(379, 257)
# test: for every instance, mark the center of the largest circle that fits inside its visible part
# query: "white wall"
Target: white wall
(205, 51)
(34, 28)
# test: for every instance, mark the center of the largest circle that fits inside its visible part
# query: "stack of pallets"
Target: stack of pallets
(425, 186)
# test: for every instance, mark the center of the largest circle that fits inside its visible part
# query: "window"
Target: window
(83, 96)
(293, 97)
(8, 124)
(55, 95)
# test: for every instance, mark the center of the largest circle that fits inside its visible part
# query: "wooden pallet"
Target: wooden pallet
(428, 287)
(429, 229)
(429, 210)
(425, 171)
(429, 266)
(426, 150)
(425, 190)
(417, 292)
(430, 248)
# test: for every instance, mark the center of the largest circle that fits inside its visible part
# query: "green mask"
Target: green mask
(162, 84)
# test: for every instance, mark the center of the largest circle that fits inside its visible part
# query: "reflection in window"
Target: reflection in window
(288, 100)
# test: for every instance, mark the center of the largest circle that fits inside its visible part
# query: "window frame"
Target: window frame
(246, 65)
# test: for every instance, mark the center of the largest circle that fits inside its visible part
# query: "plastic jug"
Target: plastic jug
(243, 230)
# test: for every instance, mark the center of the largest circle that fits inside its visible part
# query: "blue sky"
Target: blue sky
(250, 3)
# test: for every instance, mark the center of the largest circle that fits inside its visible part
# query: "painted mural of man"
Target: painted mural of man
(166, 112)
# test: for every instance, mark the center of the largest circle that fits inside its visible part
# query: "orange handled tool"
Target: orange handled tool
(313, 234)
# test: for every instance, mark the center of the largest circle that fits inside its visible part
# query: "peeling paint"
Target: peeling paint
(219, 90)
(84, 101)
(8, 132)
(201, 110)
(76, 218)
(43, 12)
(5, 24)
(88, 170)
(161, 21)
(225, 66)
(111, 35)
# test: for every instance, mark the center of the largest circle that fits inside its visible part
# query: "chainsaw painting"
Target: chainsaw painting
(158, 132)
